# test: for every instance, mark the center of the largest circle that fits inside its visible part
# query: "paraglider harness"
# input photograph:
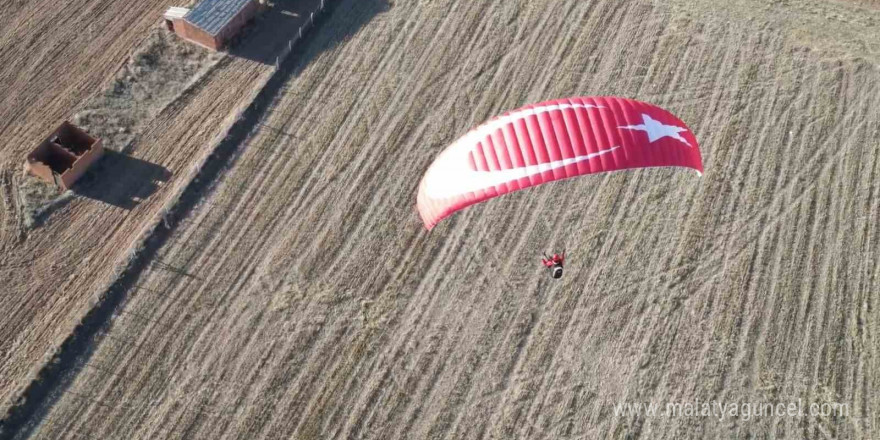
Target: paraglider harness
(555, 264)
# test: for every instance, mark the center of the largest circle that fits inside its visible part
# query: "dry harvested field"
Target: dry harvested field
(53, 275)
(301, 297)
(43, 76)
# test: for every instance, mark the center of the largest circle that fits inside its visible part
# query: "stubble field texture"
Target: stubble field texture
(302, 298)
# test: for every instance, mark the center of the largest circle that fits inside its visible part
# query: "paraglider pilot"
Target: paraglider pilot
(554, 263)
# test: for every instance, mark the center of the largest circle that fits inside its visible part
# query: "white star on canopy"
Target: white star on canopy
(657, 130)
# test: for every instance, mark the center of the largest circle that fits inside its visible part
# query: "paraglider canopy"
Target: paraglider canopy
(550, 141)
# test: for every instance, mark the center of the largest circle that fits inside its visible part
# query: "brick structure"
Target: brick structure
(64, 156)
(211, 23)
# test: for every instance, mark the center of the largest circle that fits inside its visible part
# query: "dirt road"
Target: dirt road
(302, 298)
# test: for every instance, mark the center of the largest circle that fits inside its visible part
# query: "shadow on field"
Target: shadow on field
(341, 19)
(266, 38)
(121, 180)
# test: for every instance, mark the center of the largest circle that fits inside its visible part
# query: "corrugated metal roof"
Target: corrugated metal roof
(212, 15)
(175, 12)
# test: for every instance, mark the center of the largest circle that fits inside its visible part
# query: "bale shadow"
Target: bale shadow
(121, 180)
(268, 36)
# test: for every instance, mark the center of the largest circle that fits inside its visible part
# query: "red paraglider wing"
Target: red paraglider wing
(550, 141)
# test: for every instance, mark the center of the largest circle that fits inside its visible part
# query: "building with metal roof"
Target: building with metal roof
(213, 15)
(212, 23)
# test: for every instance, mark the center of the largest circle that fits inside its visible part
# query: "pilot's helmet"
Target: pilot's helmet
(557, 271)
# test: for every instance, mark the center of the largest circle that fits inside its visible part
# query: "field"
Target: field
(54, 274)
(300, 296)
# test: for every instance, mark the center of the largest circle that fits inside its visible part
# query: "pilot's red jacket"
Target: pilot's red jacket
(556, 259)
